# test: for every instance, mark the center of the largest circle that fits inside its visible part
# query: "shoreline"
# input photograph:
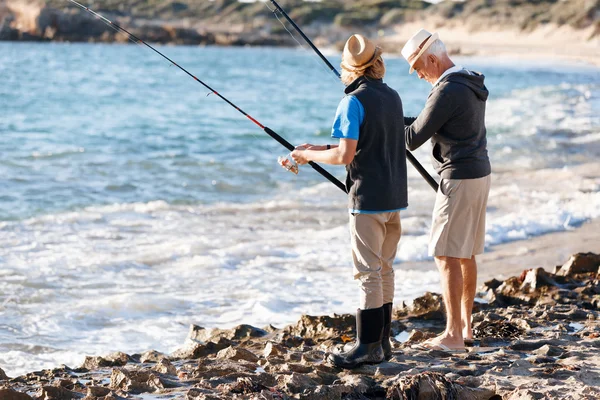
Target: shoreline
(537, 336)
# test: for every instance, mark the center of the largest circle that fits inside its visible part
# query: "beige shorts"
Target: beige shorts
(458, 224)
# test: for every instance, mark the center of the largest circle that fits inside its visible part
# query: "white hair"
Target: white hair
(437, 48)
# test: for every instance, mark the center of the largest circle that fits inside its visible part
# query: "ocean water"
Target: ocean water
(132, 204)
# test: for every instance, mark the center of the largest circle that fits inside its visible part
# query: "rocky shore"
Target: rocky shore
(537, 337)
(474, 27)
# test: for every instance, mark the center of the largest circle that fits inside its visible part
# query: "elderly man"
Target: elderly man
(369, 124)
(454, 120)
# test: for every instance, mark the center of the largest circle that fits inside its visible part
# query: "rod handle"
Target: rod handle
(428, 178)
(314, 165)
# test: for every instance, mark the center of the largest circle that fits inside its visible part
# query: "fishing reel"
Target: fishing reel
(288, 164)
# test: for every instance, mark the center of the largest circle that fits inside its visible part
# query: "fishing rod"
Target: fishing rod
(428, 178)
(266, 129)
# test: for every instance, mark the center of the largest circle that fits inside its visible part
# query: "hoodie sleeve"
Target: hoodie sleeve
(438, 110)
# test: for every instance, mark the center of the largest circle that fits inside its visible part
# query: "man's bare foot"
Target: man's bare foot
(444, 340)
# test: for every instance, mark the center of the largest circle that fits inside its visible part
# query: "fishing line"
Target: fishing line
(275, 12)
(266, 129)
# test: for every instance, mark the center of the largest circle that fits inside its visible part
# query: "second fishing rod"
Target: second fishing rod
(428, 178)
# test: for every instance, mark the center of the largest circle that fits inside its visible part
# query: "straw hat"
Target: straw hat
(419, 42)
(359, 54)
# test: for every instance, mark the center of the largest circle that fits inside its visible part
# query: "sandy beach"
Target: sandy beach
(544, 43)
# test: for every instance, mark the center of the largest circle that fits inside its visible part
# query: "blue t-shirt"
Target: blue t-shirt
(348, 119)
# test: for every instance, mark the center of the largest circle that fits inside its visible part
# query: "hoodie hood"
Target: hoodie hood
(473, 80)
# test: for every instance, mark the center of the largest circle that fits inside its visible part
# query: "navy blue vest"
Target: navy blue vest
(376, 179)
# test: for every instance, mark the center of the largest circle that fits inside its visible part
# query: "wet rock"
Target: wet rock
(246, 386)
(164, 366)
(117, 359)
(97, 391)
(58, 393)
(360, 384)
(526, 394)
(535, 279)
(10, 394)
(151, 356)
(293, 367)
(529, 345)
(240, 332)
(427, 307)
(580, 263)
(323, 327)
(321, 392)
(548, 350)
(232, 353)
(432, 386)
(135, 381)
(273, 350)
(295, 383)
(492, 284)
(195, 350)
(201, 394)
(417, 336)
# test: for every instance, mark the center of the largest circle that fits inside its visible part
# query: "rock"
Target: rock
(164, 366)
(432, 385)
(117, 359)
(135, 381)
(416, 336)
(534, 279)
(295, 383)
(232, 353)
(97, 391)
(525, 394)
(10, 394)
(201, 394)
(203, 335)
(58, 393)
(529, 345)
(151, 356)
(246, 386)
(580, 263)
(194, 350)
(548, 350)
(3, 376)
(333, 392)
(492, 284)
(360, 384)
(273, 350)
(323, 327)
(390, 368)
(430, 306)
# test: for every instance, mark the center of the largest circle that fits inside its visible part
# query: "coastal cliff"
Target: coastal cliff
(230, 22)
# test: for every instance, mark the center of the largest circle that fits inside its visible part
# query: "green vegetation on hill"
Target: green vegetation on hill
(526, 14)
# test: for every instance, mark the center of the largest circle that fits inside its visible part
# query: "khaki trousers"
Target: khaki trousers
(375, 240)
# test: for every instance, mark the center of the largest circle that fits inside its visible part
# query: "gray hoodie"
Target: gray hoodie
(454, 119)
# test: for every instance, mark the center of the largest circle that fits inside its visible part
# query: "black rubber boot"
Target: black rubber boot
(387, 327)
(367, 349)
